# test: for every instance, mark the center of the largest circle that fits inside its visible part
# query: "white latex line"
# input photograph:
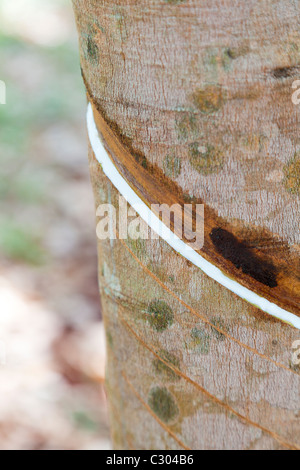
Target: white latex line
(175, 242)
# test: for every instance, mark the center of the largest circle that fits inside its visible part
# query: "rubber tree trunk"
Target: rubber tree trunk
(193, 99)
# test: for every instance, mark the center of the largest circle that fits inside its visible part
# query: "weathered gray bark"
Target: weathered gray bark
(200, 91)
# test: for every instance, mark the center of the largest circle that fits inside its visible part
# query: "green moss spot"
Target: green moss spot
(172, 166)
(214, 59)
(144, 163)
(92, 50)
(160, 315)
(139, 157)
(292, 175)
(205, 159)
(236, 52)
(163, 404)
(219, 323)
(109, 339)
(187, 126)
(225, 61)
(200, 341)
(209, 99)
(163, 369)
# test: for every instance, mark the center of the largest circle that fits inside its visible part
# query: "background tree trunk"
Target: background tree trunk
(198, 93)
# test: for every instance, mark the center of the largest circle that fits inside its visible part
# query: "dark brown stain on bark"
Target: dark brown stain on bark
(243, 257)
(285, 72)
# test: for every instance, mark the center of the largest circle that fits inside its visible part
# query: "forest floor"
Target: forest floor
(52, 352)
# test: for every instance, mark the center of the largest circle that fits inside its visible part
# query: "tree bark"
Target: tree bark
(193, 100)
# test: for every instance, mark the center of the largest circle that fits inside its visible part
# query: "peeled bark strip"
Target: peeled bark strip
(193, 101)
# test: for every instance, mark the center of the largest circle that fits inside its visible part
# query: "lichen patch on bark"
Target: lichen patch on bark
(160, 315)
(162, 402)
(292, 175)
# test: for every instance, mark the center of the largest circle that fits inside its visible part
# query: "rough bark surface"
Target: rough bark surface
(200, 92)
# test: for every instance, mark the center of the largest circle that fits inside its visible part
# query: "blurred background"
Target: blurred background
(52, 352)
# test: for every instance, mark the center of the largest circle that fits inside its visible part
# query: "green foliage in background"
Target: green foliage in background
(44, 88)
